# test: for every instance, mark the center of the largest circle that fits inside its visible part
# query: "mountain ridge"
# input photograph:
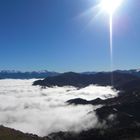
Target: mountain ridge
(81, 80)
(16, 74)
(13, 74)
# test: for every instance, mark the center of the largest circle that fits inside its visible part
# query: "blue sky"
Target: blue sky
(58, 35)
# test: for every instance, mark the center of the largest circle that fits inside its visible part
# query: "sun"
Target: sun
(110, 6)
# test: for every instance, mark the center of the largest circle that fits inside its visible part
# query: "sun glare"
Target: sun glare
(110, 6)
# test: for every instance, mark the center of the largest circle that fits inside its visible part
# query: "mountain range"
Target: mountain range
(120, 81)
(13, 74)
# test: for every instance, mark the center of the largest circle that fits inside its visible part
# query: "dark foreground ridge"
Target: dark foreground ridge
(100, 134)
(12, 134)
(80, 101)
(121, 81)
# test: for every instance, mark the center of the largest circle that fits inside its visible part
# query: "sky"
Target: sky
(65, 35)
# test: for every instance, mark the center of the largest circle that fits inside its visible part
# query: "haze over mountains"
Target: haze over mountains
(13, 74)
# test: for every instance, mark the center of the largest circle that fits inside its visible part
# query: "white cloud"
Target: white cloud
(43, 111)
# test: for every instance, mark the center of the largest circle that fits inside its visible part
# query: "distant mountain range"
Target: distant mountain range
(26, 75)
(133, 71)
(13, 74)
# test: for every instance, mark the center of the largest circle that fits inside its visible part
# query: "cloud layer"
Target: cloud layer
(43, 111)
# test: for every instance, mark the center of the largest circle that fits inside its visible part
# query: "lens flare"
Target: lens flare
(111, 47)
(103, 7)
(110, 6)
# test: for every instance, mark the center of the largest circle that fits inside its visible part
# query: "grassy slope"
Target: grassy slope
(11, 134)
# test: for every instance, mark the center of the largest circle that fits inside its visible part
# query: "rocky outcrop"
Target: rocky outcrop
(80, 101)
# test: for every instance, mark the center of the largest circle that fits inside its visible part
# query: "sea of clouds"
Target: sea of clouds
(32, 109)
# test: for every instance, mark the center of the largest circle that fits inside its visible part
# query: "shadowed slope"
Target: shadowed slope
(82, 80)
(11, 134)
